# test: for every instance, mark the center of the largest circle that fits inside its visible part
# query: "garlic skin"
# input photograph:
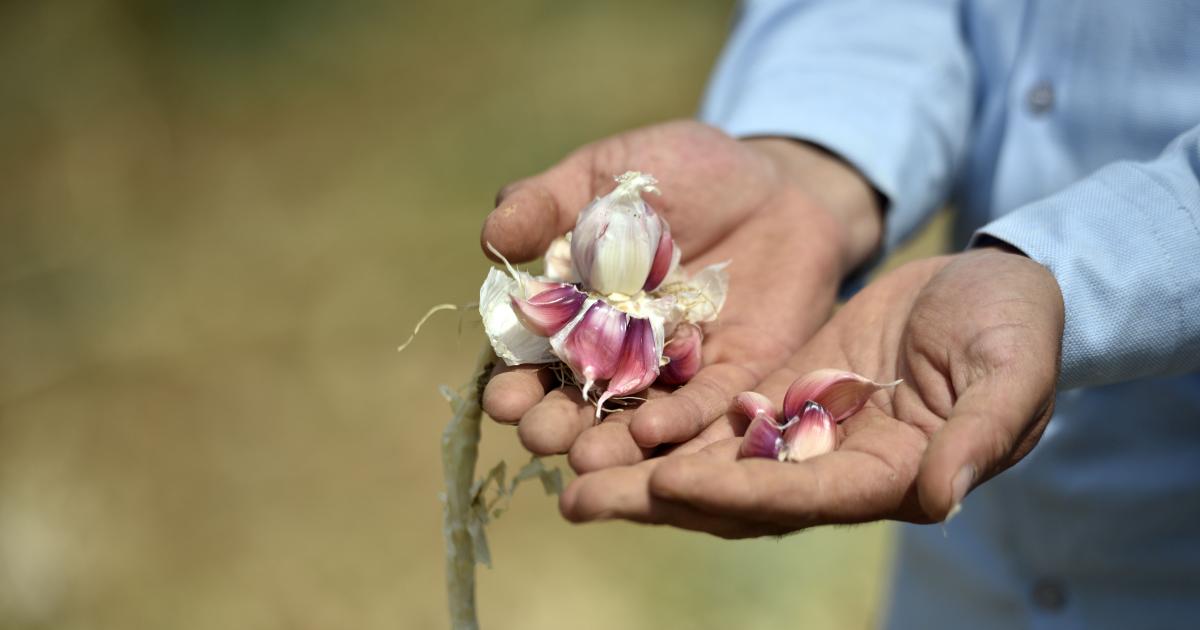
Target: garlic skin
(666, 258)
(683, 355)
(842, 393)
(763, 438)
(638, 364)
(616, 238)
(557, 261)
(509, 338)
(753, 404)
(812, 433)
(702, 296)
(592, 345)
(546, 312)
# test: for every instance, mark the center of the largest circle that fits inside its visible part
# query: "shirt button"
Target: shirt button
(1049, 595)
(1040, 98)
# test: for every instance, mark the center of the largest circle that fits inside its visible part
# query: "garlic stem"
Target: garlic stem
(460, 450)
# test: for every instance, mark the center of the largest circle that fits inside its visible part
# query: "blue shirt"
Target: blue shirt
(1071, 130)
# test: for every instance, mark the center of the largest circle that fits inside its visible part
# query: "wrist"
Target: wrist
(834, 185)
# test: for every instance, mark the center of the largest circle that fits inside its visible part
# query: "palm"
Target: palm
(950, 338)
(724, 201)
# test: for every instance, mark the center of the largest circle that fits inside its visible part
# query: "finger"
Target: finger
(722, 429)
(684, 414)
(514, 390)
(622, 493)
(845, 486)
(1003, 413)
(551, 426)
(606, 445)
(532, 212)
(611, 444)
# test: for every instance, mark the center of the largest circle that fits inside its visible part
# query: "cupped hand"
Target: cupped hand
(790, 217)
(976, 338)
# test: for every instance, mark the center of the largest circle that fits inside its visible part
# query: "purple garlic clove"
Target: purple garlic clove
(548, 311)
(842, 393)
(763, 438)
(683, 350)
(593, 347)
(752, 404)
(637, 366)
(663, 259)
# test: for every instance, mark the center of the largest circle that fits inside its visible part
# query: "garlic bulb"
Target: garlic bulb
(616, 240)
(612, 296)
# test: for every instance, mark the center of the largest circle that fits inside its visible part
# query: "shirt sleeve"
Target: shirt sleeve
(1124, 245)
(885, 84)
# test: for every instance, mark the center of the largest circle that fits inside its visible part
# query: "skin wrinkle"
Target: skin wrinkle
(931, 385)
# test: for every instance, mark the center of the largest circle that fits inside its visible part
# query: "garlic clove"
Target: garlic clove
(557, 261)
(813, 433)
(512, 341)
(592, 348)
(683, 354)
(531, 286)
(664, 259)
(842, 393)
(752, 404)
(637, 366)
(616, 237)
(762, 439)
(548, 311)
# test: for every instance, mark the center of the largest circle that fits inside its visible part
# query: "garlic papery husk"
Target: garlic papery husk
(616, 238)
(638, 364)
(557, 261)
(591, 345)
(812, 433)
(682, 352)
(548, 311)
(704, 294)
(510, 339)
(840, 392)
(763, 438)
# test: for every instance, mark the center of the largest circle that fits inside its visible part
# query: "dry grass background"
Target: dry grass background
(217, 220)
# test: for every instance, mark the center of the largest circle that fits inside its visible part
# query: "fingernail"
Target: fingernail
(958, 489)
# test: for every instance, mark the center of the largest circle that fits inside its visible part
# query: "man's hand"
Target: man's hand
(976, 338)
(792, 218)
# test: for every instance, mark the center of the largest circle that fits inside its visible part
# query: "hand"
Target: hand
(976, 338)
(793, 220)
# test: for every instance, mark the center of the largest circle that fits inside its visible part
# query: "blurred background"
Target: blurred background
(218, 220)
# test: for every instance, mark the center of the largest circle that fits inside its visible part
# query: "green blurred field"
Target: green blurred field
(217, 221)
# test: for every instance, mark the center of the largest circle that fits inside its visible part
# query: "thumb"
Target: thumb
(532, 212)
(994, 423)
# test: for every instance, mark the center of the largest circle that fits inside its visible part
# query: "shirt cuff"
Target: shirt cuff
(1118, 245)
